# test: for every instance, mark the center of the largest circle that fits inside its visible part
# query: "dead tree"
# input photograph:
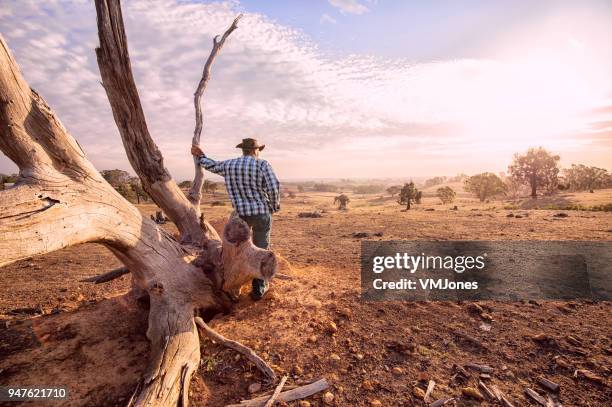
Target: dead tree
(60, 200)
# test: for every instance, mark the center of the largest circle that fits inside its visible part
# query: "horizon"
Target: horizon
(340, 88)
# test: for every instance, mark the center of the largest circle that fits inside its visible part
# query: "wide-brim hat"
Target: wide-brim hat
(250, 144)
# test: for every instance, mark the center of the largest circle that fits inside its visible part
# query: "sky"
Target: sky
(337, 88)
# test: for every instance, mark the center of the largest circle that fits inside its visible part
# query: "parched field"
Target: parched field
(57, 330)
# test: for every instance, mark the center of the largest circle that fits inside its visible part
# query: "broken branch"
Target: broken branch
(277, 391)
(287, 396)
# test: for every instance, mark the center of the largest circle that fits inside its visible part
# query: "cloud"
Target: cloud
(326, 18)
(320, 114)
(349, 6)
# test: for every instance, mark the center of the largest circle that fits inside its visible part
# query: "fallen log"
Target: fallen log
(238, 347)
(287, 396)
(480, 368)
(106, 277)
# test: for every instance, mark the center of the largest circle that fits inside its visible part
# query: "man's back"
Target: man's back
(250, 182)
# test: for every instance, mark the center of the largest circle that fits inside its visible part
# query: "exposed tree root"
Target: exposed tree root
(106, 277)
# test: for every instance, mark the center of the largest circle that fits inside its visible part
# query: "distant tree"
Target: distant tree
(446, 194)
(418, 197)
(538, 168)
(485, 185)
(185, 184)
(324, 188)
(368, 189)
(408, 194)
(116, 177)
(291, 194)
(342, 201)
(212, 187)
(394, 190)
(434, 181)
(584, 178)
(300, 188)
(136, 185)
(513, 187)
(458, 178)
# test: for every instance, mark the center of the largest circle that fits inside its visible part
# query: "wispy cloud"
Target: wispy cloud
(349, 6)
(321, 114)
(326, 18)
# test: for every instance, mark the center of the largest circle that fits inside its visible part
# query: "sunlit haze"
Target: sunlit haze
(338, 88)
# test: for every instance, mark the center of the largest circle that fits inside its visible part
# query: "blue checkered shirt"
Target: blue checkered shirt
(250, 182)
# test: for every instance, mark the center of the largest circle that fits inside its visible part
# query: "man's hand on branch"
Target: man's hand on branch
(196, 150)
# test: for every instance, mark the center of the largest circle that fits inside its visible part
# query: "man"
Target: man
(254, 191)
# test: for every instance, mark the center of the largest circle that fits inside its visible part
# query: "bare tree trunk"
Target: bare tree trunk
(60, 200)
(195, 193)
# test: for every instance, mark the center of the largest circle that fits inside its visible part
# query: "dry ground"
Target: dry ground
(91, 338)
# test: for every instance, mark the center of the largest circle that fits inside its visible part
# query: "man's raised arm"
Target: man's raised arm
(209, 164)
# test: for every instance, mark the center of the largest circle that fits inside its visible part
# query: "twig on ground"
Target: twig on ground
(277, 391)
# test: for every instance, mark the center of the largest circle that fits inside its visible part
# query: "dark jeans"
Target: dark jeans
(261, 225)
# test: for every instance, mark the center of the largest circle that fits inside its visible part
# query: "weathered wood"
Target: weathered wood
(60, 200)
(485, 389)
(277, 391)
(430, 387)
(535, 396)
(480, 368)
(143, 154)
(548, 384)
(195, 192)
(287, 396)
(238, 347)
(106, 277)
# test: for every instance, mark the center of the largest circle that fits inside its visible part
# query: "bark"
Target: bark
(60, 200)
(195, 193)
(142, 152)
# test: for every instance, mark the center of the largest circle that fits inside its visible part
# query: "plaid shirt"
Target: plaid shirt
(250, 182)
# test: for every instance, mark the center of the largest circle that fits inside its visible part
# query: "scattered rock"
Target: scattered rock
(360, 235)
(518, 216)
(367, 385)
(359, 356)
(254, 387)
(312, 339)
(335, 357)
(418, 393)
(328, 398)
(304, 403)
(472, 393)
(332, 327)
(429, 210)
(310, 215)
(378, 234)
(297, 370)
(561, 215)
(510, 215)
(397, 370)
(375, 403)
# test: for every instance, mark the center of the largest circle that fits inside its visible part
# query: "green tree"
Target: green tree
(136, 185)
(446, 194)
(484, 185)
(584, 178)
(538, 168)
(408, 194)
(394, 190)
(116, 177)
(342, 201)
